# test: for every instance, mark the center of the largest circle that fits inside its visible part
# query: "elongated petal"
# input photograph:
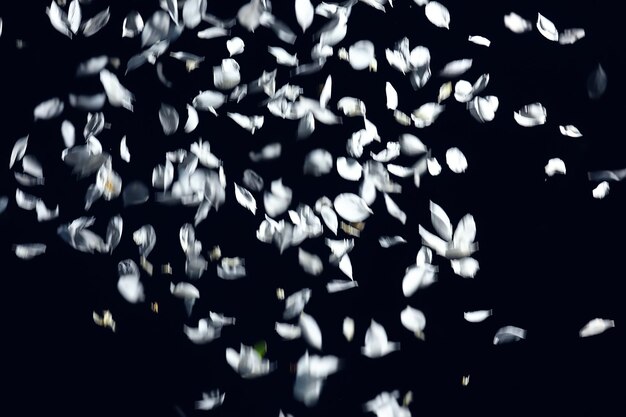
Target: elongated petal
(547, 28)
(310, 331)
(304, 13)
(596, 327)
(437, 14)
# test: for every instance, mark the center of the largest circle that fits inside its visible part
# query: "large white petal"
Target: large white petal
(437, 14)
(352, 207)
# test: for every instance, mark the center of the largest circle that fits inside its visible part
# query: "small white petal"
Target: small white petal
(479, 40)
(517, 24)
(310, 331)
(476, 316)
(601, 190)
(596, 327)
(437, 14)
(348, 328)
(352, 207)
(413, 319)
(392, 96)
(555, 166)
(570, 131)
(456, 161)
(547, 28)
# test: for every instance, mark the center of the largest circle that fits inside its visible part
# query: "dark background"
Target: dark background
(551, 256)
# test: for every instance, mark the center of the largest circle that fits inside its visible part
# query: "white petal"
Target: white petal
(465, 231)
(337, 285)
(132, 25)
(392, 96)
(124, 152)
(456, 160)
(456, 68)
(352, 207)
(361, 55)
(43, 213)
(29, 250)
(376, 342)
(227, 75)
(117, 94)
(192, 119)
(547, 28)
(168, 116)
(413, 319)
(304, 13)
(288, 331)
(601, 190)
(295, 303)
(130, 288)
(426, 114)
(74, 16)
(417, 277)
(441, 222)
(25, 201)
(312, 264)
(330, 218)
(596, 83)
(351, 106)
(570, 131)
(531, 115)
(394, 210)
(476, 316)
(59, 19)
(484, 109)
(595, 327)
(209, 100)
(245, 198)
(437, 14)
(211, 33)
(349, 168)
(465, 267)
(318, 162)
(96, 23)
(389, 241)
(69, 133)
(235, 46)
(49, 109)
(326, 90)
(432, 241)
(570, 36)
(480, 40)
(348, 328)
(19, 149)
(250, 123)
(310, 331)
(283, 57)
(509, 334)
(555, 166)
(517, 24)
(411, 145)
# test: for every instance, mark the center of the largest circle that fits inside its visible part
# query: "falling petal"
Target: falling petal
(210, 400)
(306, 126)
(394, 210)
(145, 239)
(245, 198)
(352, 207)
(456, 160)
(96, 23)
(517, 24)
(49, 109)
(483, 109)
(250, 123)
(310, 331)
(288, 331)
(386, 404)
(434, 168)
(376, 342)
(555, 166)
(19, 149)
(531, 115)
(117, 94)
(547, 28)
(295, 303)
(480, 40)
(278, 199)
(413, 319)
(114, 232)
(601, 190)
(74, 16)
(4, 202)
(268, 152)
(570, 36)
(29, 250)
(304, 13)
(411, 145)
(45, 214)
(128, 284)
(310, 263)
(132, 25)
(465, 267)
(135, 193)
(455, 68)
(58, 19)
(124, 152)
(389, 241)
(596, 327)
(361, 55)
(570, 131)
(283, 57)
(168, 116)
(68, 132)
(509, 334)
(463, 91)
(348, 328)
(437, 14)
(345, 265)
(392, 96)
(231, 268)
(349, 168)
(596, 83)
(235, 46)
(476, 316)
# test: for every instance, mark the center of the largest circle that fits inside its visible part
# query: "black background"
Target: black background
(551, 256)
